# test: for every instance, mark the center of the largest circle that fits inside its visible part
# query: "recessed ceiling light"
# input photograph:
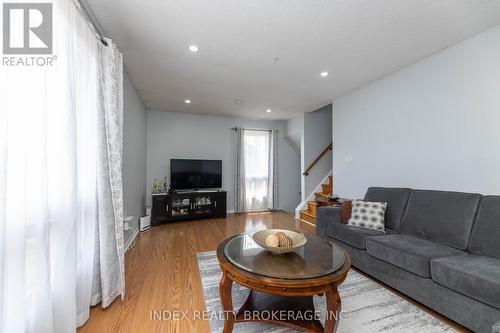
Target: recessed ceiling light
(324, 74)
(268, 110)
(187, 101)
(193, 48)
(238, 101)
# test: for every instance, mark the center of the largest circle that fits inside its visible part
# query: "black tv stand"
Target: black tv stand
(189, 205)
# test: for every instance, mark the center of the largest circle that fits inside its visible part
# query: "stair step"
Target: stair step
(320, 195)
(311, 207)
(326, 188)
(308, 217)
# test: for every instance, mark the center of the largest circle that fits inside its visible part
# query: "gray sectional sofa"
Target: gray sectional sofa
(440, 248)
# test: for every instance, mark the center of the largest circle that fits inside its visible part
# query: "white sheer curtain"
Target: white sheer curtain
(49, 139)
(256, 170)
(256, 148)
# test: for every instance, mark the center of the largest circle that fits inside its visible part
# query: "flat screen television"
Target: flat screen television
(195, 174)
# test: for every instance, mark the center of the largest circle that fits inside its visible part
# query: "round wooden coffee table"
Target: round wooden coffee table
(282, 286)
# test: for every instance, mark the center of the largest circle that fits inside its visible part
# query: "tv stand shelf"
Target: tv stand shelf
(181, 206)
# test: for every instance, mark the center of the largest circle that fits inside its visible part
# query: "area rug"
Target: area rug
(366, 306)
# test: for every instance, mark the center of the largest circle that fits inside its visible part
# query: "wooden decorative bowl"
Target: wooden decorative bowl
(298, 240)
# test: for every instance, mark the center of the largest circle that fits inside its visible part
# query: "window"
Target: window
(258, 169)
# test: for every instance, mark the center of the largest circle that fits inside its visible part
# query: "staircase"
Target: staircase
(309, 214)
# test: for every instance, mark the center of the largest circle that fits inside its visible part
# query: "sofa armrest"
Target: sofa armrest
(326, 215)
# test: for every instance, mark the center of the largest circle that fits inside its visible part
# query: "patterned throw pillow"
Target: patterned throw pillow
(368, 215)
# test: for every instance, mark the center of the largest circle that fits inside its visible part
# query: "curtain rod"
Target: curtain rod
(254, 129)
(91, 19)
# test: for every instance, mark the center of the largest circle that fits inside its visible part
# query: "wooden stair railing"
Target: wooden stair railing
(313, 163)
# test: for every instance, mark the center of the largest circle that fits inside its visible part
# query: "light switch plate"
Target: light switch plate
(348, 159)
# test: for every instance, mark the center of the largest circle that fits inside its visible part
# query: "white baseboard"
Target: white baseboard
(318, 188)
(131, 240)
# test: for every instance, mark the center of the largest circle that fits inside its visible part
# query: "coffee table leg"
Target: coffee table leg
(226, 299)
(333, 307)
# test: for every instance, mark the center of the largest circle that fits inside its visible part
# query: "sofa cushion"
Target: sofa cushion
(472, 275)
(396, 199)
(441, 217)
(352, 235)
(485, 237)
(409, 253)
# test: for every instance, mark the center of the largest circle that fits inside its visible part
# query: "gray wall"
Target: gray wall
(134, 154)
(432, 125)
(295, 138)
(295, 131)
(317, 135)
(182, 135)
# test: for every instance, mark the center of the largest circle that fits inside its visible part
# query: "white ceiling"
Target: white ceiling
(356, 41)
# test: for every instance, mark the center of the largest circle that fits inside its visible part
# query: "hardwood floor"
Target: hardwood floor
(162, 273)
